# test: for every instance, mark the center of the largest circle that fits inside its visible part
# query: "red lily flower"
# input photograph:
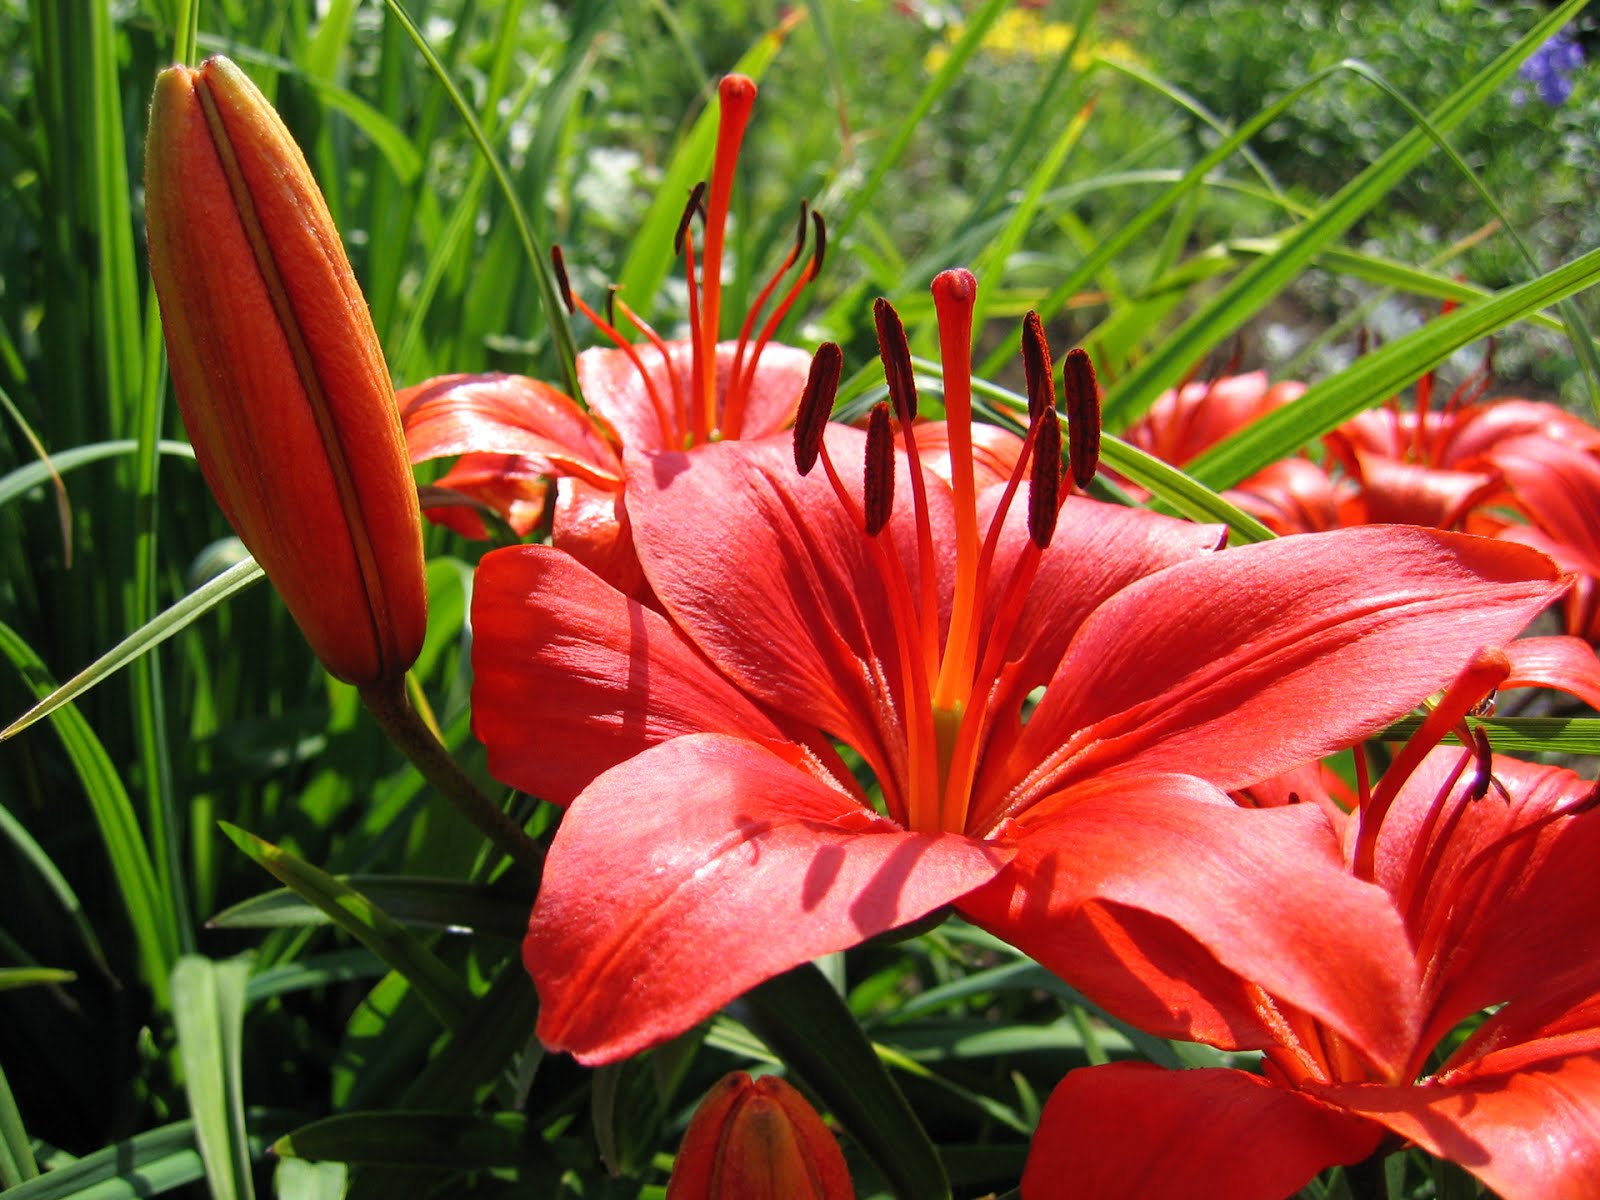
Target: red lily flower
(1557, 486)
(726, 843)
(513, 433)
(1487, 875)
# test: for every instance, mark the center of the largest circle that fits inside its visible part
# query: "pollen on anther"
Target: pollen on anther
(816, 405)
(1083, 416)
(1036, 367)
(1044, 481)
(895, 351)
(696, 199)
(562, 283)
(879, 489)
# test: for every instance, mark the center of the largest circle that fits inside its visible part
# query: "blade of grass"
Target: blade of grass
(446, 904)
(34, 854)
(31, 475)
(208, 1016)
(1524, 735)
(16, 1153)
(555, 313)
(181, 615)
(1258, 283)
(149, 911)
(1382, 373)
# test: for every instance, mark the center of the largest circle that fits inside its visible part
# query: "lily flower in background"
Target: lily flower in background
(1486, 867)
(758, 1139)
(652, 394)
(280, 379)
(802, 613)
(1557, 486)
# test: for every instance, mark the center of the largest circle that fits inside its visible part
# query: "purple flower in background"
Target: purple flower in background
(1549, 69)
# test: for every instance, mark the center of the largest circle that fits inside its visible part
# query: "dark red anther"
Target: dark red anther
(821, 228)
(1083, 416)
(696, 199)
(816, 405)
(896, 354)
(800, 232)
(1044, 483)
(1036, 367)
(611, 305)
(560, 265)
(879, 500)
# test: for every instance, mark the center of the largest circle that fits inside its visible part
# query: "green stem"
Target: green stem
(388, 703)
(1366, 1178)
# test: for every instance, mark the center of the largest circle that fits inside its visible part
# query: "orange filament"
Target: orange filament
(576, 304)
(738, 96)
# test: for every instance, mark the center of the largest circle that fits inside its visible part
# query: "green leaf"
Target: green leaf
(135, 1168)
(208, 1014)
(25, 478)
(1258, 283)
(1525, 735)
(20, 977)
(298, 1179)
(149, 912)
(34, 854)
(363, 920)
(1382, 373)
(16, 1152)
(148, 636)
(810, 1028)
(410, 899)
(418, 1139)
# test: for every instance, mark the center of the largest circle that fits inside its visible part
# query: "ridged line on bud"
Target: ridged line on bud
(895, 352)
(879, 489)
(1044, 481)
(1083, 415)
(816, 405)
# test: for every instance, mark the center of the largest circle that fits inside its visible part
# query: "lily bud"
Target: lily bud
(280, 380)
(758, 1140)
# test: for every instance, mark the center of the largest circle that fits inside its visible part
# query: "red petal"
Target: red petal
(1501, 897)
(1128, 1131)
(1136, 892)
(1531, 1132)
(506, 414)
(592, 525)
(696, 870)
(571, 677)
(613, 387)
(1566, 663)
(1238, 666)
(511, 485)
(770, 577)
(1407, 494)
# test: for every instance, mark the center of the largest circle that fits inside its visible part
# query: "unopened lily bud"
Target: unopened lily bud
(758, 1139)
(281, 382)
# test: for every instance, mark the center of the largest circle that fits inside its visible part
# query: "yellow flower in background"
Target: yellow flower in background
(1023, 32)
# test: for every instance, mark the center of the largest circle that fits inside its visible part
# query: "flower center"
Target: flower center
(695, 411)
(948, 675)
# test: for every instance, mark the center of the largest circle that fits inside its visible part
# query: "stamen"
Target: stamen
(560, 264)
(816, 405)
(742, 378)
(879, 484)
(895, 351)
(1036, 367)
(689, 210)
(575, 303)
(1045, 482)
(1083, 416)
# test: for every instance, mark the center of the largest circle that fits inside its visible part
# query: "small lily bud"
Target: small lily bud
(280, 380)
(758, 1140)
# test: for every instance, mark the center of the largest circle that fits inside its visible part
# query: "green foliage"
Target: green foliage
(1154, 179)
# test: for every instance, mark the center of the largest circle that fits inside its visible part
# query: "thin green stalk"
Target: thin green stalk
(392, 708)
